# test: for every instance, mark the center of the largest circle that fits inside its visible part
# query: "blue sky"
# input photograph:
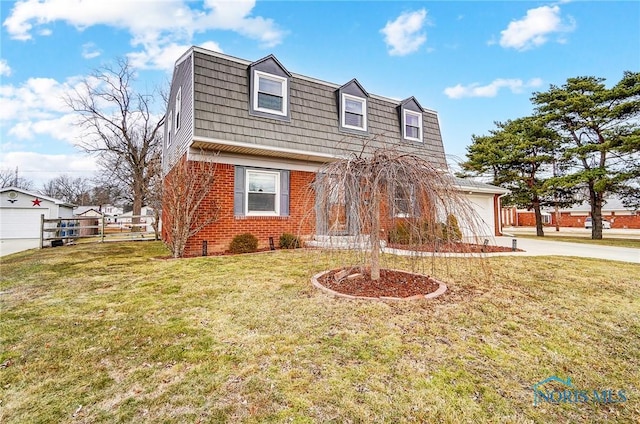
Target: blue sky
(474, 62)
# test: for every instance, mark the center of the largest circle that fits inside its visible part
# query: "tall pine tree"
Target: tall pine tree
(600, 130)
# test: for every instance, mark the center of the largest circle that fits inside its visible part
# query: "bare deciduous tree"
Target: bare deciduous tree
(184, 190)
(154, 197)
(390, 191)
(120, 128)
(11, 178)
(76, 191)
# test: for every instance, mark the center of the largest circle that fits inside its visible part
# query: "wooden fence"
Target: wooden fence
(59, 231)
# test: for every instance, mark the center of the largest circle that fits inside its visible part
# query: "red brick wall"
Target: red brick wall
(301, 219)
(527, 219)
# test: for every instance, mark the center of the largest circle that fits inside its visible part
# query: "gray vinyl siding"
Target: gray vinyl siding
(221, 111)
(181, 139)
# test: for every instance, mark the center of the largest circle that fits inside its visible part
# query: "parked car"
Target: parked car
(605, 224)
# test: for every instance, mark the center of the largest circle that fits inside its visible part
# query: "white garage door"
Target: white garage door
(483, 206)
(21, 223)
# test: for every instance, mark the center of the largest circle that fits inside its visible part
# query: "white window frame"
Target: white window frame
(247, 212)
(343, 120)
(404, 126)
(285, 97)
(178, 108)
(169, 128)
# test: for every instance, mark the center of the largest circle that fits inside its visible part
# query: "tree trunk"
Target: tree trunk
(596, 213)
(138, 190)
(374, 238)
(538, 214)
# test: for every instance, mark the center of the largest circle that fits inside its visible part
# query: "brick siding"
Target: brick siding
(527, 219)
(218, 235)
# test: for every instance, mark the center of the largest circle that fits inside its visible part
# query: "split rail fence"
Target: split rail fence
(60, 231)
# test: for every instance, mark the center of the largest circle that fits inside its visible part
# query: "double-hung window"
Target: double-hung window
(354, 112)
(263, 192)
(169, 128)
(412, 125)
(178, 107)
(270, 93)
(404, 201)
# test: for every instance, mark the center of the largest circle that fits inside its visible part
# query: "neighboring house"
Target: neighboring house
(146, 218)
(271, 131)
(20, 217)
(89, 212)
(612, 210)
(111, 213)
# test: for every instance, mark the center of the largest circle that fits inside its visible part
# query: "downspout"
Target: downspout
(500, 233)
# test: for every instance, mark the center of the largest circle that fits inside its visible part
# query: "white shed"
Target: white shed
(20, 215)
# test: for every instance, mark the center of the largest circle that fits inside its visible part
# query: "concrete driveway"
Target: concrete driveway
(10, 246)
(536, 247)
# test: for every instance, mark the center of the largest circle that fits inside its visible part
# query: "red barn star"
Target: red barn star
(36, 202)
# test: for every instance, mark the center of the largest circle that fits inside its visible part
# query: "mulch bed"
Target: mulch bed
(453, 248)
(392, 283)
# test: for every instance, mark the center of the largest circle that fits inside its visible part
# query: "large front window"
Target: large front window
(270, 93)
(263, 193)
(404, 201)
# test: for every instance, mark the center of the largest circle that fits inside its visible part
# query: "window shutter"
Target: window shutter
(284, 193)
(238, 191)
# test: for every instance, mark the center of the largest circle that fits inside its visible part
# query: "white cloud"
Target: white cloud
(156, 26)
(535, 28)
(35, 98)
(37, 108)
(405, 35)
(490, 90)
(5, 69)
(164, 57)
(41, 168)
(90, 51)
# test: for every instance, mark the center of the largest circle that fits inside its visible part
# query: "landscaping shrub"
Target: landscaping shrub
(289, 241)
(451, 230)
(244, 243)
(399, 234)
(407, 232)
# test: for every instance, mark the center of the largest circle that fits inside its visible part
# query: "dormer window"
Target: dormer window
(354, 112)
(410, 116)
(412, 125)
(269, 85)
(352, 101)
(270, 94)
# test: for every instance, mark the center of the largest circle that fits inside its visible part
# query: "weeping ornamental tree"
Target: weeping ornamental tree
(386, 190)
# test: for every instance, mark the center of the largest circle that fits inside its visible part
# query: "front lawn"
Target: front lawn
(100, 333)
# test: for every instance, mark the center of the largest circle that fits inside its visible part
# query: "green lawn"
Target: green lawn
(100, 333)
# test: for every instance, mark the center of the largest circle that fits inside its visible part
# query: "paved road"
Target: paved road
(535, 247)
(627, 233)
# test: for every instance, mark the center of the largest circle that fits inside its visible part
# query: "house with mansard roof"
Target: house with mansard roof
(271, 130)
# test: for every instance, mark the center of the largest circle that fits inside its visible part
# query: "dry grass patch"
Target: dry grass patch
(247, 339)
